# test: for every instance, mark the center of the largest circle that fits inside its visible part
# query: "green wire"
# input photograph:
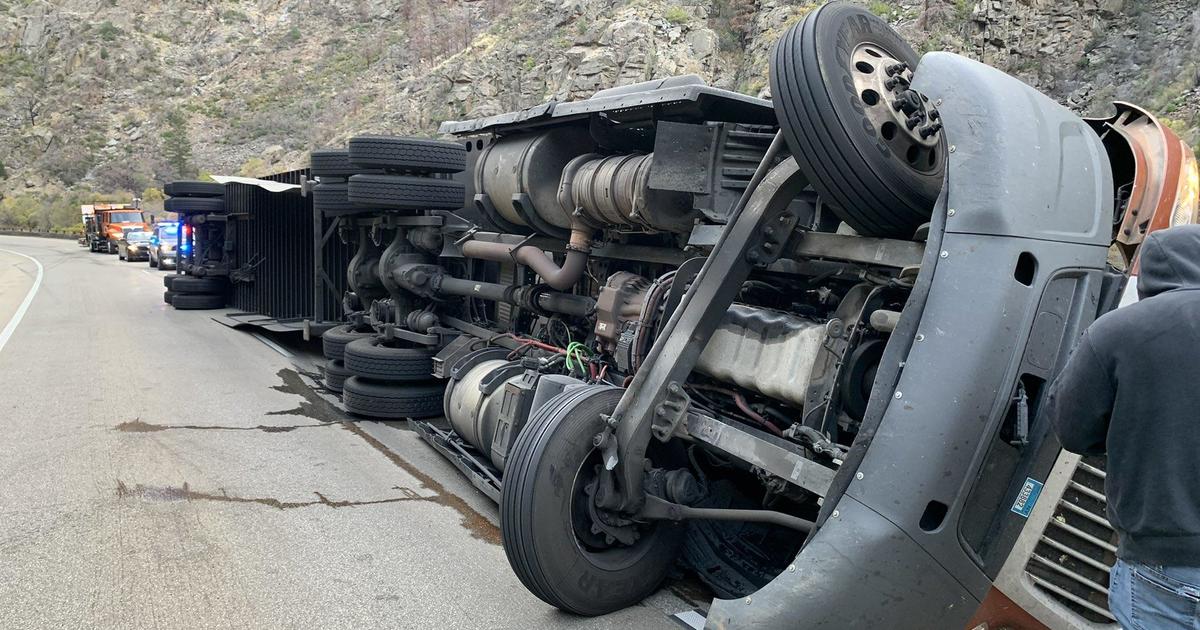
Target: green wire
(577, 350)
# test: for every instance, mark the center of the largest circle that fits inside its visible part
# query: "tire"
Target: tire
(369, 358)
(193, 284)
(835, 131)
(736, 558)
(194, 189)
(335, 375)
(405, 192)
(407, 154)
(197, 301)
(539, 516)
(168, 295)
(329, 198)
(169, 280)
(120, 256)
(152, 261)
(194, 205)
(334, 340)
(330, 163)
(389, 400)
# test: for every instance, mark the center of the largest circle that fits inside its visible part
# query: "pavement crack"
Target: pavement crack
(138, 426)
(186, 493)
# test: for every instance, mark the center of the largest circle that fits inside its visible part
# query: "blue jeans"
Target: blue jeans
(1147, 597)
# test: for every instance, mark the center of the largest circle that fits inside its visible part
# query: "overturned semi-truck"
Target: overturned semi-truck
(799, 345)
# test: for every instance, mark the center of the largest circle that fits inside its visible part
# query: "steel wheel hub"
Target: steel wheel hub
(900, 115)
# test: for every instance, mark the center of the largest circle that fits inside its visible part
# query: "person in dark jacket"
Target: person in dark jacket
(1131, 390)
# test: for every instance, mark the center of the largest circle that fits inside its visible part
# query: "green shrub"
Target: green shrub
(882, 9)
(676, 15)
(108, 31)
(964, 8)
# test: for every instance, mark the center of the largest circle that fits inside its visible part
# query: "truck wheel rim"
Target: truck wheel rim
(900, 115)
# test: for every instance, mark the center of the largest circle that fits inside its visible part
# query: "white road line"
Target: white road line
(272, 345)
(16, 318)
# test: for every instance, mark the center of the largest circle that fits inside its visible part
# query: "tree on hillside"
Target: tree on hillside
(23, 94)
(177, 146)
(439, 28)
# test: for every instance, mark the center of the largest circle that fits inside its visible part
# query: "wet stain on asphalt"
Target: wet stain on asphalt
(474, 522)
(318, 408)
(186, 493)
(312, 405)
(138, 426)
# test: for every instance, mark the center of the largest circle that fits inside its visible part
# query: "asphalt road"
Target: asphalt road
(160, 470)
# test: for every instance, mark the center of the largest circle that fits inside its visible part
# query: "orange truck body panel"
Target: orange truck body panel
(112, 230)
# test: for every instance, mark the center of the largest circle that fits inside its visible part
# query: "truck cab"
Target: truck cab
(111, 221)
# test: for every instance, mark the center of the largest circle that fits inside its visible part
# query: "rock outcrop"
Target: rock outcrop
(89, 87)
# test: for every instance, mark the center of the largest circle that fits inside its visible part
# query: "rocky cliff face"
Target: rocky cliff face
(118, 95)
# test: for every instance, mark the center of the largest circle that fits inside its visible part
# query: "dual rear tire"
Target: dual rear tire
(373, 358)
(392, 401)
(192, 197)
(334, 340)
(381, 173)
(336, 375)
(193, 293)
(379, 379)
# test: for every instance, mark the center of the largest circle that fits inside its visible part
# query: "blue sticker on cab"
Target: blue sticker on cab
(1028, 497)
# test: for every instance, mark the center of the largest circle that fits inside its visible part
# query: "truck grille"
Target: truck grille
(1078, 547)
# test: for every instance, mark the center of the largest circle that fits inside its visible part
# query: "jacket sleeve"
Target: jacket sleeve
(1080, 401)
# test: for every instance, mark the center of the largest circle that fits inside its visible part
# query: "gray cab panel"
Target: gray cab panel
(1031, 190)
(1024, 165)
